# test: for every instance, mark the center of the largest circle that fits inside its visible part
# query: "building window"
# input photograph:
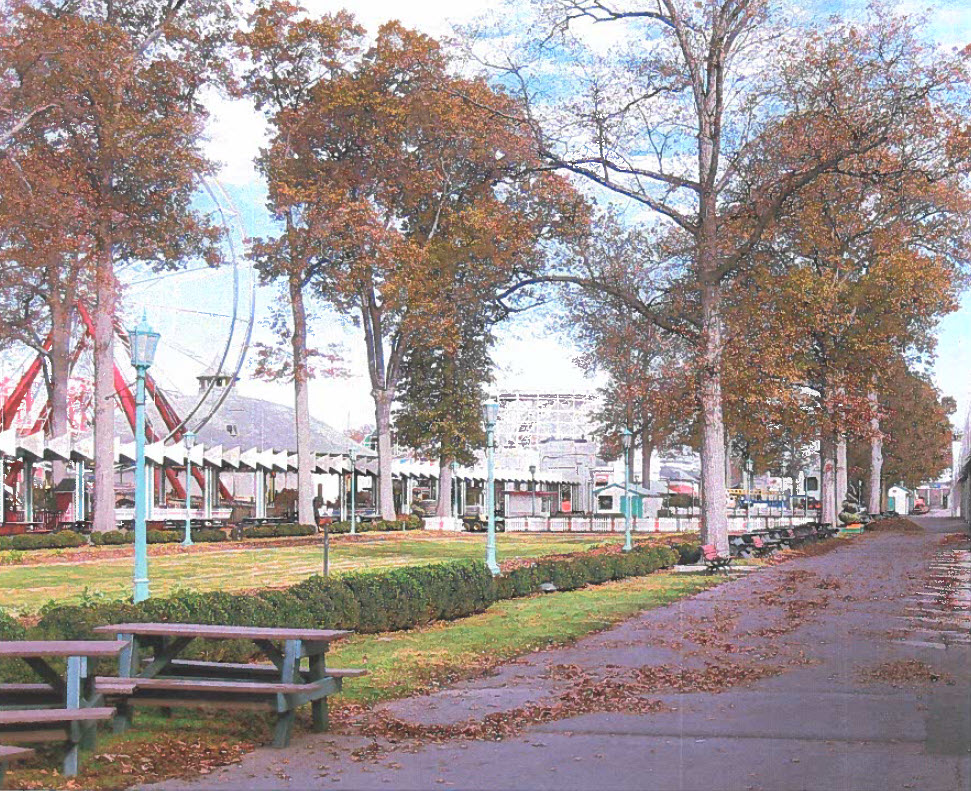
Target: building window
(605, 503)
(812, 484)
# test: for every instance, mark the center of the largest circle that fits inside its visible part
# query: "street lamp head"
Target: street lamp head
(532, 470)
(352, 455)
(625, 438)
(490, 412)
(144, 342)
(189, 438)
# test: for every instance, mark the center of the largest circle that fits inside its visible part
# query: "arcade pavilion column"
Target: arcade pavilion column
(259, 494)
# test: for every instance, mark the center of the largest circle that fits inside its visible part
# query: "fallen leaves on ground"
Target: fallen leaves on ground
(904, 672)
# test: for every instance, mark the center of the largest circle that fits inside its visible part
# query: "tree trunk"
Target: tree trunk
(306, 460)
(104, 393)
(444, 505)
(60, 357)
(842, 480)
(647, 450)
(728, 460)
(382, 419)
(714, 526)
(874, 504)
(827, 478)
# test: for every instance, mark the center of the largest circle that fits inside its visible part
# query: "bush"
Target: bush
(278, 531)
(688, 552)
(201, 535)
(664, 513)
(377, 525)
(379, 601)
(63, 540)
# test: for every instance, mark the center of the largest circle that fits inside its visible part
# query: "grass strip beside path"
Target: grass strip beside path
(400, 664)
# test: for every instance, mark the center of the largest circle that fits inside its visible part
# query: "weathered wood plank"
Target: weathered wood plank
(217, 632)
(22, 649)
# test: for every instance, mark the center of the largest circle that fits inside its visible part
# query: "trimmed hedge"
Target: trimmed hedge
(378, 525)
(366, 602)
(65, 539)
(277, 531)
(202, 535)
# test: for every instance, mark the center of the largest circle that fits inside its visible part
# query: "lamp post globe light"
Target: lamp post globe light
(532, 505)
(625, 438)
(490, 412)
(144, 341)
(190, 440)
(352, 455)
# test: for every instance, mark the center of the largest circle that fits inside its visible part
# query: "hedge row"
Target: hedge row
(378, 525)
(65, 539)
(366, 602)
(277, 531)
(116, 537)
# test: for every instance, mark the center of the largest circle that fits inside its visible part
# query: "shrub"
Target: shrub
(378, 601)
(688, 552)
(278, 531)
(63, 540)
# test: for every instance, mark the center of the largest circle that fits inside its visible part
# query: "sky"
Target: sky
(192, 310)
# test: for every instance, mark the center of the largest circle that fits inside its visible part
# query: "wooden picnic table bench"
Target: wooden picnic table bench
(63, 707)
(280, 687)
(10, 754)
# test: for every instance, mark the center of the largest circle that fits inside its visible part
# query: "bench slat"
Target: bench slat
(24, 649)
(14, 753)
(24, 716)
(211, 631)
(189, 666)
(195, 685)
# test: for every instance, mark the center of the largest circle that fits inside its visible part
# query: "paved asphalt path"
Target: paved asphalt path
(861, 681)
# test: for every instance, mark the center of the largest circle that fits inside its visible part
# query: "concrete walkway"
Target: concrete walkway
(843, 671)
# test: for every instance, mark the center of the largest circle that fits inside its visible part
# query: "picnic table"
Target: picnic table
(166, 680)
(63, 706)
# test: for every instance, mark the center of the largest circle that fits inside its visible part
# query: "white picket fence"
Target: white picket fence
(615, 524)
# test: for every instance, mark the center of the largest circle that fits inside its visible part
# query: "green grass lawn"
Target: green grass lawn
(24, 589)
(399, 663)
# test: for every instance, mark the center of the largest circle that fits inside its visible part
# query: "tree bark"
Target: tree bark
(382, 420)
(301, 394)
(60, 357)
(827, 477)
(444, 505)
(104, 393)
(714, 515)
(842, 480)
(875, 504)
(647, 450)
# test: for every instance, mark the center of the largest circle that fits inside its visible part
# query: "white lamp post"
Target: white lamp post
(490, 412)
(625, 438)
(190, 441)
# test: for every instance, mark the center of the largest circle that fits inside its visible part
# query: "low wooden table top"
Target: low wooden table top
(26, 649)
(210, 632)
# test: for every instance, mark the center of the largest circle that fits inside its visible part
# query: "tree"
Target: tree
(649, 389)
(289, 55)
(855, 274)
(44, 252)
(671, 120)
(916, 428)
(122, 85)
(440, 399)
(395, 169)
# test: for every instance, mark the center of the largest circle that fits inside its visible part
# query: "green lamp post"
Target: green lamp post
(144, 342)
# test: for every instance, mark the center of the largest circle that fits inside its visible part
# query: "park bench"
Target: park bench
(714, 561)
(824, 531)
(63, 706)
(9, 755)
(280, 688)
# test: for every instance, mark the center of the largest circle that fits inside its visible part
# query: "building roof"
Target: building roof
(634, 488)
(248, 423)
